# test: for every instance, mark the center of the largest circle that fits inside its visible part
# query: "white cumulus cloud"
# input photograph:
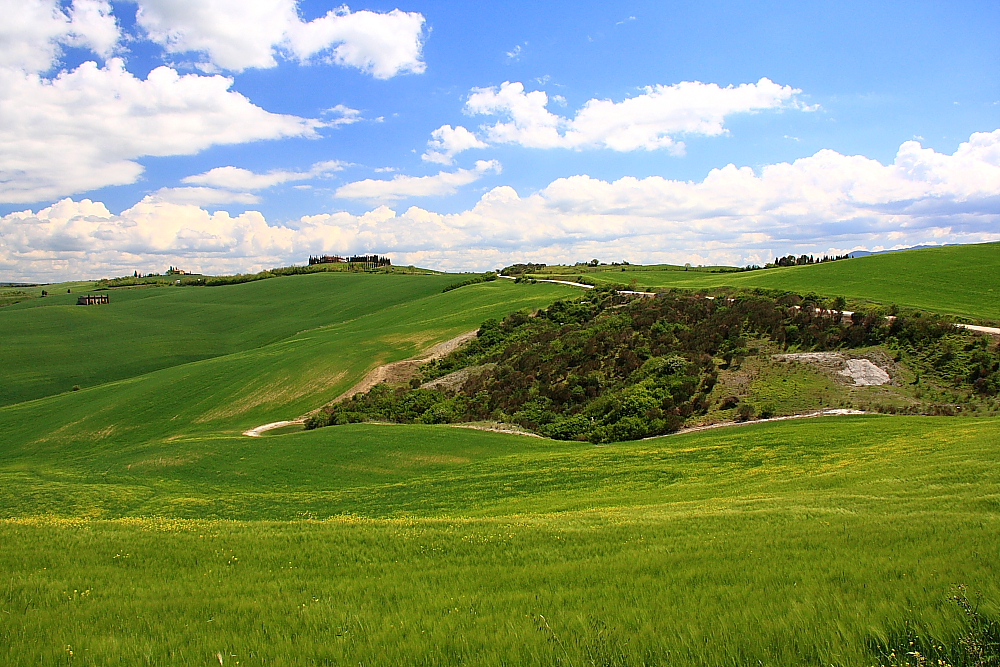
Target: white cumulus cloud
(826, 202)
(649, 121)
(344, 115)
(33, 32)
(84, 129)
(232, 185)
(239, 34)
(447, 141)
(400, 186)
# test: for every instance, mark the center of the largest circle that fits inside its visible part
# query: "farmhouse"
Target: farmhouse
(92, 299)
(327, 259)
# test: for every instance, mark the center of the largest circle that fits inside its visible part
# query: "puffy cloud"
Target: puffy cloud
(648, 121)
(93, 26)
(827, 202)
(230, 185)
(382, 45)
(344, 116)
(33, 31)
(400, 187)
(448, 141)
(84, 129)
(239, 34)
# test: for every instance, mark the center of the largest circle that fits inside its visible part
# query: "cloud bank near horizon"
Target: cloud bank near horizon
(826, 202)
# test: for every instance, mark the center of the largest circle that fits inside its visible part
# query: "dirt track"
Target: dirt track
(256, 431)
(828, 412)
(396, 372)
(401, 371)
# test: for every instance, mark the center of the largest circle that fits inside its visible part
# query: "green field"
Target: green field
(146, 329)
(138, 527)
(962, 280)
(793, 543)
(230, 393)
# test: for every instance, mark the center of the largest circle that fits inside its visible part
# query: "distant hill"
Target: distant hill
(866, 253)
(961, 280)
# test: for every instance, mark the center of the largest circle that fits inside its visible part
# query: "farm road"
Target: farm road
(397, 371)
(995, 331)
(586, 286)
(829, 412)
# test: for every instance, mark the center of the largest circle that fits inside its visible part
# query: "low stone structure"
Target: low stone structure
(92, 299)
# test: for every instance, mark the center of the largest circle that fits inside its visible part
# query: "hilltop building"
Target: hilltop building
(92, 299)
(367, 261)
(326, 259)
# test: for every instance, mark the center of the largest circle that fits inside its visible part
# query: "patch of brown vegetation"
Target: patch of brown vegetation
(454, 381)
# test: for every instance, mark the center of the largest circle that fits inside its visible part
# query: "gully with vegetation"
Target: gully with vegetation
(608, 368)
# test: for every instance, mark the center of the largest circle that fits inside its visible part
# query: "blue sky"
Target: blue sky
(233, 135)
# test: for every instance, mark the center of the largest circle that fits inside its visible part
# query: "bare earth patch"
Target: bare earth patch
(864, 372)
(497, 427)
(454, 381)
(397, 372)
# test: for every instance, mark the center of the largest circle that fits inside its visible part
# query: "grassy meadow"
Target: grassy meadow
(961, 280)
(228, 394)
(161, 327)
(138, 527)
(782, 543)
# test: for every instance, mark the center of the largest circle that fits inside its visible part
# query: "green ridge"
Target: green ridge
(962, 280)
(146, 329)
(234, 392)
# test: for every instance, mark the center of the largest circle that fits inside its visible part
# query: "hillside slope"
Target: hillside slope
(811, 542)
(137, 526)
(233, 392)
(51, 344)
(961, 280)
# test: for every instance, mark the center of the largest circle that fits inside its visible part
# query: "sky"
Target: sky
(225, 136)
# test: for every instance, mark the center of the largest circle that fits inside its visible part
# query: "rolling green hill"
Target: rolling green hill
(962, 280)
(137, 526)
(142, 330)
(282, 380)
(806, 542)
